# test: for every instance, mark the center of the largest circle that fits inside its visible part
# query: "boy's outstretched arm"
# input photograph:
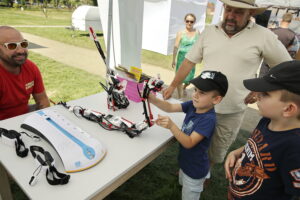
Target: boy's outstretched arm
(188, 141)
(164, 105)
(230, 161)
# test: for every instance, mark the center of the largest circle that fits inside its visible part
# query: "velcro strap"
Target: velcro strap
(13, 138)
(54, 177)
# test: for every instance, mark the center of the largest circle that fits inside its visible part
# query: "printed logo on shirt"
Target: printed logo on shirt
(251, 168)
(29, 85)
(296, 175)
(187, 128)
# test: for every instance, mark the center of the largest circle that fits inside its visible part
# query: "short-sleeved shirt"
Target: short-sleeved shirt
(194, 162)
(285, 35)
(269, 166)
(15, 90)
(238, 57)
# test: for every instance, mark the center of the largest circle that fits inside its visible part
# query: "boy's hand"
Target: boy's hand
(229, 163)
(164, 121)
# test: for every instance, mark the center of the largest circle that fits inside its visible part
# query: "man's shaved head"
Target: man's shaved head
(7, 32)
(11, 58)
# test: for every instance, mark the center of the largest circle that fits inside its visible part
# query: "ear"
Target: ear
(217, 99)
(291, 110)
(251, 12)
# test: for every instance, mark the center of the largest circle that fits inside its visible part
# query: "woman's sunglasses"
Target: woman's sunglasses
(189, 21)
(13, 45)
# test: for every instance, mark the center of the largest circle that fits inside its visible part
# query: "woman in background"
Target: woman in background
(184, 41)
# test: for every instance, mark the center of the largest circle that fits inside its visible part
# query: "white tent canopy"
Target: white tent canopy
(151, 24)
(280, 3)
(162, 20)
(85, 16)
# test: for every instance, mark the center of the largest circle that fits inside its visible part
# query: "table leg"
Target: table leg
(5, 192)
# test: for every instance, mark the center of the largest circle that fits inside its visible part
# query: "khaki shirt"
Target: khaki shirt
(238, 57)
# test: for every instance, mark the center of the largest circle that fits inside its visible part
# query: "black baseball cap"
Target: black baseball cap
(211, 80)
(285, 76)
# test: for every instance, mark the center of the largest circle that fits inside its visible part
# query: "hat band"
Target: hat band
(241, 1)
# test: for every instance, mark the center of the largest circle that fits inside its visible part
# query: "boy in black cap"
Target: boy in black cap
(198, 127)
(268, 166)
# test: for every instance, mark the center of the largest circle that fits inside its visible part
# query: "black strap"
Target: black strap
(53, 176)
(20, 147)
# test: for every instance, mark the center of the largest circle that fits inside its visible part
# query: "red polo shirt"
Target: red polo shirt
(15, 90)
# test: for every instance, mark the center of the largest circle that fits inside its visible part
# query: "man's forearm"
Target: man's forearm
(42, 105)
(41, 100)
(182, 72)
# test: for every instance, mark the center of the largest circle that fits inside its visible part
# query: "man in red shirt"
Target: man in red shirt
(19, 77)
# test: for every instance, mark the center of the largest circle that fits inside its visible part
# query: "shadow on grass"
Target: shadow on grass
(88, 35)
(159, 179)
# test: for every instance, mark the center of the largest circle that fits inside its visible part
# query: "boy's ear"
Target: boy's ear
(217, 99)
(290, 110)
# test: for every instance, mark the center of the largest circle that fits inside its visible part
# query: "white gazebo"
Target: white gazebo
(84, 17)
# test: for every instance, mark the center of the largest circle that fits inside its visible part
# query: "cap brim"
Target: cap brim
(260, 85)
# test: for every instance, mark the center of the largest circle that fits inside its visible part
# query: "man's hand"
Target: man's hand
(167, 93)
(164, 121)
(251, 98)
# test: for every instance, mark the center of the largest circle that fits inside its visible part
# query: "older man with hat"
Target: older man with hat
(235, 47)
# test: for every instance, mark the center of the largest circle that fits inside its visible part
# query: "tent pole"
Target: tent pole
(109, 30)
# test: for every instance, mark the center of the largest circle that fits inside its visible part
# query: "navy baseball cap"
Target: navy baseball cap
(285, 76)
(211, 80)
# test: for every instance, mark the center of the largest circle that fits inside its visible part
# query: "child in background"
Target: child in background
(198, 127)
(268, 166)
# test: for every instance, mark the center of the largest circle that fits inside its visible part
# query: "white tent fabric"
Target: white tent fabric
(164, 18)
(126, 38)
(282, 3)
(85, 16)
(218, 12)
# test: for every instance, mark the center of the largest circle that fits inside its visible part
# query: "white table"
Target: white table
(124, 158)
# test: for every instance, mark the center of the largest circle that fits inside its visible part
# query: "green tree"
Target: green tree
(95, 3)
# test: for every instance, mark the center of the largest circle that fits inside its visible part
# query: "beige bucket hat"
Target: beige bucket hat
(247, 4)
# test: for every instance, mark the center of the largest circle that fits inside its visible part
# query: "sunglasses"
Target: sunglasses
(189, 21)
(13, 45)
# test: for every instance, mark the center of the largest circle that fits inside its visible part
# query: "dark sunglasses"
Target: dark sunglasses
(188, 21)
(13, 45)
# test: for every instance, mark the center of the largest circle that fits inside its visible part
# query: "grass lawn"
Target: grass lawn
(14, 16)
(64, 83)
(82, 39)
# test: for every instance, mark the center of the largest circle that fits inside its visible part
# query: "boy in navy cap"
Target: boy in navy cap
(268, 166)
(198, 127)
